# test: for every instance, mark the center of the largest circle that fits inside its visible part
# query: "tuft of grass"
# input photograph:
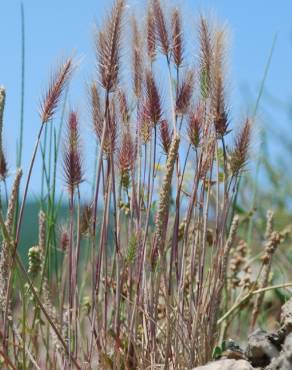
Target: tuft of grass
(151, 269)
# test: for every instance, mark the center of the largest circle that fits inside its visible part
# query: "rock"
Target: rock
(233, 351)
(277, 338)
(280, 363)
(288, 343)
(226, 365)
(286, 317)
(284, 361)
(260, 350)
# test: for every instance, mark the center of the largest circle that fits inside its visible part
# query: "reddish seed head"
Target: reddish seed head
(218, 104)
(72, 155)
(185, 93)
(64, 237)
(127, 153)
(177, 39)
(161, 28)
(137, 59)
(221, 119)
(239, 154)
(145, 126)
(195, 122)
(3, 167)
(108, 48)
(85, 220)
(206, 56)
(123, 105)
(97, 117)
(151, 35)
(53, 95)
(152, 99)
(165, 135)
(111, 130)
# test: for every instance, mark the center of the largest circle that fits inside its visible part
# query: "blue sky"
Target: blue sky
(56, 28)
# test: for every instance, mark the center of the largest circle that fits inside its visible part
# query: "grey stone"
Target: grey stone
(280, 363)
(260, 350)
(284, 361)
(286, 316)
(226, 365)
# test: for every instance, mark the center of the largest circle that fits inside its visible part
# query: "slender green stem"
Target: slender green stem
(22, 94)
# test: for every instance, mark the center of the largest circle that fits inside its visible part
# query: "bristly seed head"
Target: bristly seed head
(161, 28)
(108, 47)
(153, 99)
(58, 82)
(177, 38)
(185, 93)
(64, 237)
(111, 130)
(96, 113)
(206, 57)
(165, 135)
(3, 167)
(239, 154)
(218, 104)
(137, 59)
(72, 154)
(126, 154)
(195, 123)
(145, 126)
(86, 219)
(123, 105)
(151, 35)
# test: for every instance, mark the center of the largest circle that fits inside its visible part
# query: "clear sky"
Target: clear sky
(55, 28)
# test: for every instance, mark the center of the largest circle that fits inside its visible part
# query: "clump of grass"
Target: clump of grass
(136, 278)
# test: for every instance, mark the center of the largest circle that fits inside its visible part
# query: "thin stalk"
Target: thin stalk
(7, 238)
(258, 165)
(17, 237)
(22, 91)
(248, 296)
(70, 271)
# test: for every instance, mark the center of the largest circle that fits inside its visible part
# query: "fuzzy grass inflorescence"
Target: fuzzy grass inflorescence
(136, 275)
